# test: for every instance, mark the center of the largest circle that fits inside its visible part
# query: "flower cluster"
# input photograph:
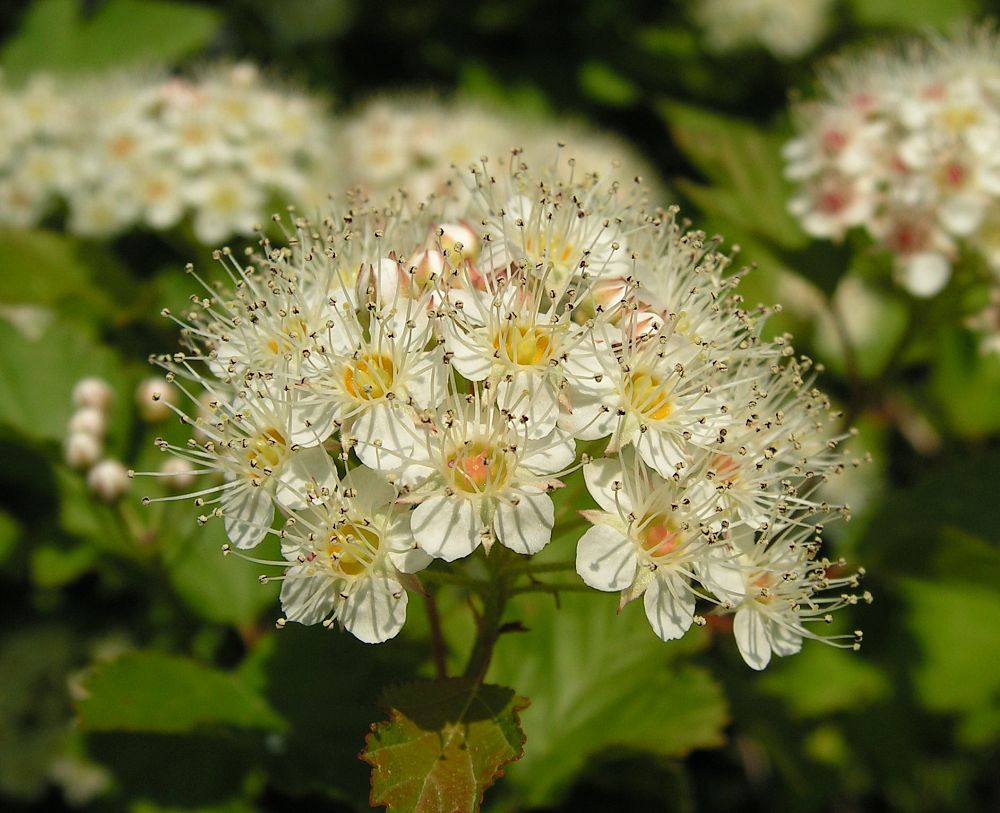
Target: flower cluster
(219, 148)
(907, 145)
(400, 386)
(413, 142)
(787, 30)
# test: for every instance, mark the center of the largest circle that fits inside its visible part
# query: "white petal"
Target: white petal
(926, 274)
(528, 394)
(601, 475)
(669, 606)
(247, 513)
(962, 214)
(592, 417)
(554, 452)
(606, 559)
(307, 597)
(375, 611)
(385, 424)
(426, 380)
(751, 637)
(660, 451)
(305, 476)
(784, 639)
(527, 526)
(314, 419)
(447, 527)
(411, 560)
(372, 491)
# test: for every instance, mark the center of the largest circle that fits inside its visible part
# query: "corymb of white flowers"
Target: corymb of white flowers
(401, 393)
(906, 144)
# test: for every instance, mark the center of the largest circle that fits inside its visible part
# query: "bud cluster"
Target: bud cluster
(84, 447)
(402, 385)
(906, 145)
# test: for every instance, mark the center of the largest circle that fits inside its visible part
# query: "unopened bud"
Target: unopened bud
(179, 474)
(154, 397)
(88, 421)
(93, 392)
(83, 450)
(109, 480)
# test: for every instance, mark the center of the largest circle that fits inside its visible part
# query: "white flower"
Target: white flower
(775, 586)
(348, 554)
(645, 540)
(478, 478)
(905, 144)
(786, 29)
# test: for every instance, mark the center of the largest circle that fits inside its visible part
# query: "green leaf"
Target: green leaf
(37, 378)
(873, 322)
(911, 14)
(164, 694)
(745, 167)
(444, 744)
(56, 564)
(57, 36)
(966, 384)
(47, 268)
(325, 684)
(598, 680)
(222, 589)
(957, 625)
(822, 680)
(604, 84)
(10, 531)
(34, 710)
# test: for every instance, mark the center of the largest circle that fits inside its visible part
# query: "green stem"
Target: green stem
(494, 602)
(437, 637)
(542, 587)
(544, 567)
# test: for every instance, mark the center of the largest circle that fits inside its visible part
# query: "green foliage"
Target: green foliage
(37, 377)
(746, 170)
(598, 680)
(325, 684)
(445, 742)
(914, 14)
(155, 693)
(221, 589)
(34, 709)
(966, 384)
(59, 36)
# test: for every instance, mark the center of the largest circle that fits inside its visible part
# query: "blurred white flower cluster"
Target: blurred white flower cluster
(413, 141)
(906, 145)
(221, 149)
(407, 385)
(787, 28)
(119, 151)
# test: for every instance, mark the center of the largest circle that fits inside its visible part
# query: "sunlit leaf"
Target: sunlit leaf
(59, 36)
(156, 693)
(598, 680)
(444, 744)
(744, 163)
(37, 378)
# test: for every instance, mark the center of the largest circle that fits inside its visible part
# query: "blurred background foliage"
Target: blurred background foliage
(140, 670)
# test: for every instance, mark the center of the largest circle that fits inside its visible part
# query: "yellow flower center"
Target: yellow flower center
(478, 467)
(524, 345)
(551, 248)
(352, 549)
(288, 338)
(369, 377)
(646, 393)
(265, 451)
(960, 118)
